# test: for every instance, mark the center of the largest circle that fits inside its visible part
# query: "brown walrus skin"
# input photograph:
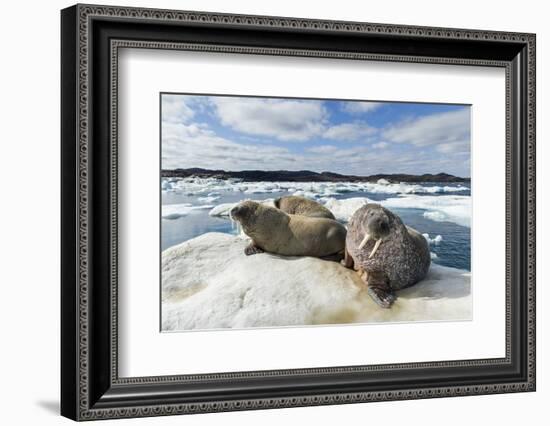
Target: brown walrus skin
(401, 259)
(275, 231)
(293, 204)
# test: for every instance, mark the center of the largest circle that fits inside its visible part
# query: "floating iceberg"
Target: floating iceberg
(208, 199)
(208, 282)
(166, 185)
(440, 208)
(343, 209)
(434, 241)
(449, 208)
(175, 211)
(436, 216)
(224, 208)
(200, 186)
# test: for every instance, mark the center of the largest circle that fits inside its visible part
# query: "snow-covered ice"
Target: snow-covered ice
(208, 282)
(451, 208)
(436, 240)
(200, 186)
(224, 208)
(343, 209)
(208, 199)
(175, 211)
(440, 208)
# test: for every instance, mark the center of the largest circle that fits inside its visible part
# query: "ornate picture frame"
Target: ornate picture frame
(91, 37)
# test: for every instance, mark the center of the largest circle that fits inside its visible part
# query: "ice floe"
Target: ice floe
(439, 208)
(435, 241)
(201, 186)
(224, 208)
(208, 283)
(343, 209)
(175, 211)
(208, 199)
(450, 208)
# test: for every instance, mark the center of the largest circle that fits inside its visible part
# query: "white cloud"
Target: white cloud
(447, 131)
(323, 149)
(195, 145)
(358, 107)
(349, 131)
(282, 119)
(175, 109)
(428, 144)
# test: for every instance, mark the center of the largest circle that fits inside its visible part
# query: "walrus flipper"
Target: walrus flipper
(252, 249)
(336, 257)
(379, 289)
(348, 259)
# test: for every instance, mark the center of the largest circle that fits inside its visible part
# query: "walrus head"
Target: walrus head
(245, 213)
(375, 226)
(257, 219)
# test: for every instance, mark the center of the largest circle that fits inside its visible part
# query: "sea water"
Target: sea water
(440, 210)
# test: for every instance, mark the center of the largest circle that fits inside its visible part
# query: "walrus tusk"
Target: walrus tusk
(365, 241)
(376, 245)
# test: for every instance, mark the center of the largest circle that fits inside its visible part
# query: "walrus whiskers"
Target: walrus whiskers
(376, 245)
(235, 224)
(365, 240)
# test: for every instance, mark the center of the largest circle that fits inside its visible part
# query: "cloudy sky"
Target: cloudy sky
(349, 137)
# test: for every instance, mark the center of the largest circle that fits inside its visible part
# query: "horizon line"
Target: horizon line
(312, 171)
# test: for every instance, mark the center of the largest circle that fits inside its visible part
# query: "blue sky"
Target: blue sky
(349, 137)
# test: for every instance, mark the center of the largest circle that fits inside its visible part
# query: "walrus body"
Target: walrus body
(302, 206)
(387, 254)
(275, 231)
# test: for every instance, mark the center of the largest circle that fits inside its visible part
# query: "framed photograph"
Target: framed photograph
(263, 212)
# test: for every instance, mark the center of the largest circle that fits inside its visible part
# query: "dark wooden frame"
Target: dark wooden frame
(91, 37)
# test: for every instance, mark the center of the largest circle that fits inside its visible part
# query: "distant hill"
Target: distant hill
(308, 176)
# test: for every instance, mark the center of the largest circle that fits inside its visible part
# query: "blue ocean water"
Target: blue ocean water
(453, 250)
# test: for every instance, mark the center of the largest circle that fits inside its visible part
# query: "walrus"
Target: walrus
(387, 254)
(293, 204)
(275, 231)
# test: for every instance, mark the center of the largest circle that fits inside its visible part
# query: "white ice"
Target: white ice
(343, 209)
(442, 208)
(208, 199)
(223, 209)
(435, 241)
(202, 186)
(450, 208)
(175, 211)
(208, 282)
